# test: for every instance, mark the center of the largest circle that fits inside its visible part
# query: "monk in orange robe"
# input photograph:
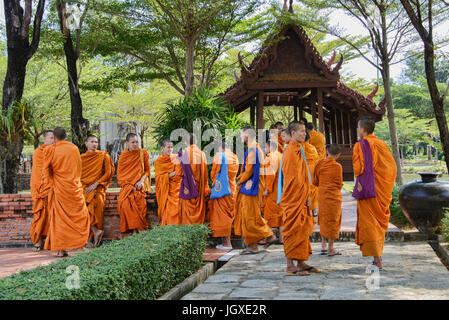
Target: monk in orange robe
(96, 176)
(221, 210)
(312, 158)
(133, 177)
(317, 140)
(373, 214)
(276, 135)
(295, 201)
(68, 215)
(193, 211)
(168, 181)
(272, 212)
(328, 177)
(39, 194)
(248, 221)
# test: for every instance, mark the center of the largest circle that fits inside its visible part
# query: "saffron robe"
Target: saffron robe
(319, 142)
(312, 158)
(328, 177)
(221, 210)
(272, 212)
(193, 211)
(297, 220)
(96, 167)
(373, 214)
(68, 215)
(167, 189)
(39, 194)
(248, 221)
(279, 140)
(132, 206)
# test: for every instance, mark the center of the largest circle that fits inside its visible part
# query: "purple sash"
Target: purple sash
(365, 185)
(188, 188)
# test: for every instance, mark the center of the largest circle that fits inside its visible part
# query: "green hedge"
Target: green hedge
(141, 266)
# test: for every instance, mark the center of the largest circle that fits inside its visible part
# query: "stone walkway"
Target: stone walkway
(412, 271)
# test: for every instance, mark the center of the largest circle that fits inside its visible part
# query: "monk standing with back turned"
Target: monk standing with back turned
(221, 210)
(98, 170)
(133, 177)
(67, 211)
(328, 177)
(295, 201)
(248, 220)
(373, 214)
(39, 193)
(168, 181)
(193, 210)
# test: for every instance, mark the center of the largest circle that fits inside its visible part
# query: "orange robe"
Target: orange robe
(272, 212)
(167, 189)
(39, 194)
(221, 210)
(193, 211)
(280, 141)
(328, 177)
(97, 167)
(312, 158)
(297, 220)
(67, 211)
(373, 214)
(248, 221)
(319, 142)
(132, 206)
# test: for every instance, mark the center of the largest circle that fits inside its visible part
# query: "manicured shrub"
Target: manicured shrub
(141, 266)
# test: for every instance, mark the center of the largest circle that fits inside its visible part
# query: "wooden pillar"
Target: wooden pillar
(313, 106)
(327, 132)
(333, 126)
(339, 126)
(346, 127)
(301, 110)
(320, 109)
(353, 129)
(259, 111)
(252, 114)
(295, 110)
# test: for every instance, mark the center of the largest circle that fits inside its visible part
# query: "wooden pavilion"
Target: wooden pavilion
(289, 71)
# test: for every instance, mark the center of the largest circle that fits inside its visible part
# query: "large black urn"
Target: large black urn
(423, 202)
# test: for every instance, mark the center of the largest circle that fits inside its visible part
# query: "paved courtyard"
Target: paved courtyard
(411, 271)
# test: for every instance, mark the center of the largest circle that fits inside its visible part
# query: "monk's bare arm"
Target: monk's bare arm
(357, 160)
(249, 167)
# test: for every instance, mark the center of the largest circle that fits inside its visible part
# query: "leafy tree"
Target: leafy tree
(179, 41)
(423, 16)
(20, 48)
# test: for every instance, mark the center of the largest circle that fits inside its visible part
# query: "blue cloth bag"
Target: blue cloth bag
(251, 186)
(221, 186)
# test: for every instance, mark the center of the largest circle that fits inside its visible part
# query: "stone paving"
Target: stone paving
(411, 271)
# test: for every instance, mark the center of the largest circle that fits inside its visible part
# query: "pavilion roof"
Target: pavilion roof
(319, 74)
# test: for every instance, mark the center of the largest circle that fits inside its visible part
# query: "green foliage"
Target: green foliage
(142, 266)
(210, 110)
(15, 120)
(397, 217)
(445, 224)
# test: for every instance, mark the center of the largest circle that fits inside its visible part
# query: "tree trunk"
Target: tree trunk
(20, 51)
(437, 101)
(80, 126)
(190, 62)
(391, 123)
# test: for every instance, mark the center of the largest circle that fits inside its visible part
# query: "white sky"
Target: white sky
(359, 67)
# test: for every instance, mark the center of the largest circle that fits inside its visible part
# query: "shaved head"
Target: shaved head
(59, 133)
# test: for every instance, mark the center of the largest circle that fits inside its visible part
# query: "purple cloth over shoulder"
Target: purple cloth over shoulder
(365, 184)
(188, 188)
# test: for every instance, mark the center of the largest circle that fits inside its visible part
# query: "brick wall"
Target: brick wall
(16, 216)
